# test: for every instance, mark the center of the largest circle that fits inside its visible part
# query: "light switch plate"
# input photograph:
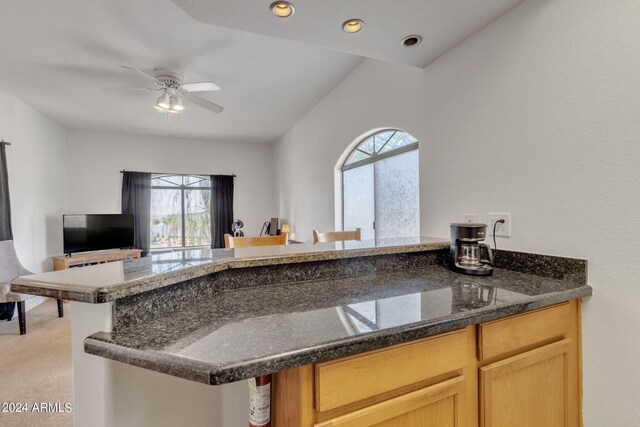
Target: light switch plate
(503, 230)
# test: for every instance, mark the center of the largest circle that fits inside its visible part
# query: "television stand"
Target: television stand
(83, 259)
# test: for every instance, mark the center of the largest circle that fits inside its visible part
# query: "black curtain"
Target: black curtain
(5, 205)
(5, 218)
(136, 199)
(221, 208)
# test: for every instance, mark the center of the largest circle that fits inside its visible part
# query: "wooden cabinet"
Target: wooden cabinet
(504, 336)
(428, 382)
(530, 372)
(91, 258)
(375, 375)
(438, 405)
(527, 390)
(523, 371)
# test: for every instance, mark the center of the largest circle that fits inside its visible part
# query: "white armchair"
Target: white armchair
(10, 268)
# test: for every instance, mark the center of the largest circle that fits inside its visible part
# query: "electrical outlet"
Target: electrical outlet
(470, 218)
(503, 230)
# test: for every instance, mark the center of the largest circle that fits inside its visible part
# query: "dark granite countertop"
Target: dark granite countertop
(108, 282)
(241, 333)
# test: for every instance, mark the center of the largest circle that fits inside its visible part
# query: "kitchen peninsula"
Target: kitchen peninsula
(352, 329)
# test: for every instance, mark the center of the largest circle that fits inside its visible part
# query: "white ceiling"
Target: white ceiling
(56, 55)
(441, 23)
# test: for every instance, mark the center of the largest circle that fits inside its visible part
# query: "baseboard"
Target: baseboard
(32, 303)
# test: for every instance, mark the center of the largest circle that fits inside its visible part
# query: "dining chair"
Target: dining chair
(10, 268)
(335, 236)
(240, 242)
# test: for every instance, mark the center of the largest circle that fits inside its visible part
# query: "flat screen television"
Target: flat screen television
(94, 232)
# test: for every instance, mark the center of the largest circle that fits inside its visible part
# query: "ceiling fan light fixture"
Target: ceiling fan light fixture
(282, 9)
(353, 25)
(164, 102)
(174, 91)
(176, 104)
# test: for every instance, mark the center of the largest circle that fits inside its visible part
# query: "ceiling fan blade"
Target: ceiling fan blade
(200, 87)
(127, 89)
(144, 75)
(204, 103)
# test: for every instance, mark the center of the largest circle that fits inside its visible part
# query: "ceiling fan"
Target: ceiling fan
(173, 90)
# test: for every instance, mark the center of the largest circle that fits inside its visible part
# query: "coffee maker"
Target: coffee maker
(466, 249)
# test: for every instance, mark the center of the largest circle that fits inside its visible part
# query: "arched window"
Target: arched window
(380, 186)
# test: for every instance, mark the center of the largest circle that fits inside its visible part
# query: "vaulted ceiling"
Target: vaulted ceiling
(441, 23)
(57, 55)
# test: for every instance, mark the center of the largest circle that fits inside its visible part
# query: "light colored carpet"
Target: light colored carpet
(36, 367)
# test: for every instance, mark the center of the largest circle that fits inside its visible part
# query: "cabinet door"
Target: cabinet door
(439, 405)
(527, 390)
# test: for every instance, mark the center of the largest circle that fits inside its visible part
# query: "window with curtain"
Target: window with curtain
(180, 211)
(380, 186)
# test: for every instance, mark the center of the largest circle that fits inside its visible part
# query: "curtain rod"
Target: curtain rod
(3, 142)
(176, 174)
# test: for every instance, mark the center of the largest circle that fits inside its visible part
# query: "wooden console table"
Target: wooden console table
(81, 259)
(63, 262)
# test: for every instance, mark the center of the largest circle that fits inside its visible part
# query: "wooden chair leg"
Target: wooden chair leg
(21, 318)
(60, 308)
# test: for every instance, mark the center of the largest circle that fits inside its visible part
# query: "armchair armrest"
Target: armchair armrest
(24, 272)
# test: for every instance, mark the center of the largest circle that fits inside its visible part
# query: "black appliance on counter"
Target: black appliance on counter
(466, 249)
(270, 228)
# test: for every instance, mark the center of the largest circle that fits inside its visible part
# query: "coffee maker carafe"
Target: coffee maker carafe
(466, 249)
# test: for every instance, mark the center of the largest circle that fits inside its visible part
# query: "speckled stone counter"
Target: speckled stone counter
(219, 316)
(242, 332)
(198, 317)
(108, 282)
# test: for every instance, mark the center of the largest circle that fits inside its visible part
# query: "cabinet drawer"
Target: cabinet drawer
(506, 335)
(352, 379)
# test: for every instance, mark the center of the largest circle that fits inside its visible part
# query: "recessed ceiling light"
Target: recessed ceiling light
(353, 25)
(410, 41)
(282, 9)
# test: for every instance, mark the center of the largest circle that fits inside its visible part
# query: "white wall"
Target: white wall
(94, 162)
(36, 181)
(537, 115)
(367, 99)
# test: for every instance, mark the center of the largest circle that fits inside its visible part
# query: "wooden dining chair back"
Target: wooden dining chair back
(241, 242)
(336, 236)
